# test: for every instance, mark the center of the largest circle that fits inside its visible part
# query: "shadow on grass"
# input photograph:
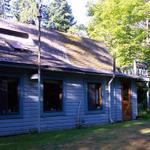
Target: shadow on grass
(59, 139)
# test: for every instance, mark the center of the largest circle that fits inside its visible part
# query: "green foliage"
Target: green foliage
(120, 24)
(1, 8)
(27, 11)
(15, 10)
(60, 15)
(5, 9)
(79, 30)
(90, 7)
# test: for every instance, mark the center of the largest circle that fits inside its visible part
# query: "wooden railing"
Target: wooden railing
(137, 69)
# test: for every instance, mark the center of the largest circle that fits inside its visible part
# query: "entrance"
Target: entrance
(126, 101)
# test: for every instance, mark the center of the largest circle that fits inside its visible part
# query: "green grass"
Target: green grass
(144, 114)
(105, 137)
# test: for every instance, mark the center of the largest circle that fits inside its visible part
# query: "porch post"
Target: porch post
(134, 68)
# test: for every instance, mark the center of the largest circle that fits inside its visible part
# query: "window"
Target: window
(9, 99)
(94, 96)
(52, 96)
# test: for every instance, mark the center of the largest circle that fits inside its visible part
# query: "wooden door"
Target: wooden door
(126, 101)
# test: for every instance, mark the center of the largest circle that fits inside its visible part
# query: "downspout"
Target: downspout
(109, 91)
(109, 98)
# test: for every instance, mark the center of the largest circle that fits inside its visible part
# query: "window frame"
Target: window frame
(50, 113)
(98, 111)
(20, 97)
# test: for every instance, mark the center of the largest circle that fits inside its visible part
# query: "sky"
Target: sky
(79, 10)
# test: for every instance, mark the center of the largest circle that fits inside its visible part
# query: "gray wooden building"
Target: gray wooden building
(78, 84)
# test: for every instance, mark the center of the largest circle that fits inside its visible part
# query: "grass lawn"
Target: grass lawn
(134, 135)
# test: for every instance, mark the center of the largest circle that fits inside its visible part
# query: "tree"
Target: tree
(79, 30)
(1, 8)
(60, 15)
(45, 16)
(118, 24)
(26, 11)
(5, 9)
(15, 10)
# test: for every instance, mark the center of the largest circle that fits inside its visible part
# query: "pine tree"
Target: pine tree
(15, 10)
(44, 14)
(26, 11)
(5, 9)
(1, 8)
(60, 15)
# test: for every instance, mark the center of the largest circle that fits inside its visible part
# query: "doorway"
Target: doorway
(126, 101)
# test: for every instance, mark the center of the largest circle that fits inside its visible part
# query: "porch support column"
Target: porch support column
(134, 68)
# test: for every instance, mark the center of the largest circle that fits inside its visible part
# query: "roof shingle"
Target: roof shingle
(58, 50)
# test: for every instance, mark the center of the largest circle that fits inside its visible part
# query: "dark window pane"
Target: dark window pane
(52, 96)
(13, 103)
(3, 97)
(91, 97)
(9, 102)
(94, 96)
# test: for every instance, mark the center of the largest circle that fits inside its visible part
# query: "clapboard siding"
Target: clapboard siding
(117, 101)
(75, 106)
(134, 99)
(96, 119)
(101, 116)
(73, 96)
(28, 119)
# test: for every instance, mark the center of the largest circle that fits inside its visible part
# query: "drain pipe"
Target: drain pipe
(109, 91)
(109, 98)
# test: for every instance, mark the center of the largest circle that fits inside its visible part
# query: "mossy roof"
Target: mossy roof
(58, 50)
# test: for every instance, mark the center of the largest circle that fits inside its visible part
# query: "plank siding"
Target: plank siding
(27, 121)
(99, 117)
(73, 96)
(118, 101)
(75, 107)
(134, 99)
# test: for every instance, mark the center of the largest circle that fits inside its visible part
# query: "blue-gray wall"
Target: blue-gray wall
(75, 106)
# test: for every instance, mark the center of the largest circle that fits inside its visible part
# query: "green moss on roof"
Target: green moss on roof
(56, 47)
